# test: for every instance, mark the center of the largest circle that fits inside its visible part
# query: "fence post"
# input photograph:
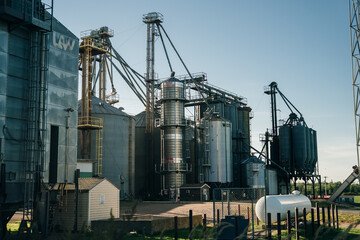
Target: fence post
(239, 209)
(333, 215)
(248, 212)
(305, 220)
(329, 216)
(323, 214)
(288, 223)
(204, 226)
(318, 214)
(312, 222)
(337, 217)
(218, 216)
(269, 226)
(190, 221)
(279, 226)
(257, 221)
(228, 198)
(236, 227)
(175, 227)
(297, 223)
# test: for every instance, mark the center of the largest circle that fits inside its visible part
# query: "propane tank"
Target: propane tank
(281, 204)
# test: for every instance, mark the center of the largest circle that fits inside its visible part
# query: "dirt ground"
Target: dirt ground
(171, 209)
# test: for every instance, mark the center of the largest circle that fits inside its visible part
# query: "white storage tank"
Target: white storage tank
(281, 204)
(219, 151)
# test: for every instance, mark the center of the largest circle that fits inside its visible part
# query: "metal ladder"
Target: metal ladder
(36, 120)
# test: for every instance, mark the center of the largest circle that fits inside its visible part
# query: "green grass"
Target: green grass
(324, 233)
(197, 233)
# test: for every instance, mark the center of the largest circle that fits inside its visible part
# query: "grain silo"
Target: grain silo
(38, 114)
(147, 181)
(117, 147)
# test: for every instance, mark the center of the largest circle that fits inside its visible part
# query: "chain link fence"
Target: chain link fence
(236, 202)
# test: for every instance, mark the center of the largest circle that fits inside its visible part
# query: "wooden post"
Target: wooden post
(239, 209)
(257, 221)
(288, 222)
(333, 215)
(269, 225)
(318, 214)
(329, 216)
(204, 223)
(204, 226)
(279, 226)
(304, 216)
(312, 222)
(337, 217)
(218, 216)
(248, 212)
(190, 221)
(297, 223)
(323, 214)
(236, 227)
(175, 227)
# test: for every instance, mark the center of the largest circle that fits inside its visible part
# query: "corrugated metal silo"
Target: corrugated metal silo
(285, 146)
(147, 181)
(314, 149)
(38, 99)
(299, 147)
(118, 146)
(172, 124)
(252, 172)
(219, 151)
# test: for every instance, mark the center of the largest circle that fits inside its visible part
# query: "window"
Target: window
(102, 199)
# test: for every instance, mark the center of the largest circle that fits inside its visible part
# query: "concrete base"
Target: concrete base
(145, 224)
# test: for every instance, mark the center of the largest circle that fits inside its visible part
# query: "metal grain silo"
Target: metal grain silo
(38, 99)
(244, 127)
(252, 173)
(299, 147)
(172, 124)
(118, 146)
(285, 146)
(147, 181)
(315, 151)
(308, 149)
(219, 155)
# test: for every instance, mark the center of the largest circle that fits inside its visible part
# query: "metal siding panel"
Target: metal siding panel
(17, 87)
(62, 79)
(115, 148)
(16, 108)
(18, 67)
(62, 60)
(2, 106)
(61, 97)
(16, 128)
(3, 62)
(18, 46)
(4, 36)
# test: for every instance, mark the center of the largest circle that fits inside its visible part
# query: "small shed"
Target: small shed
(98, 199)
(195, 192)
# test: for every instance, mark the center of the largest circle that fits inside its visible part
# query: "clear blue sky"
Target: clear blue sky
(242, 46)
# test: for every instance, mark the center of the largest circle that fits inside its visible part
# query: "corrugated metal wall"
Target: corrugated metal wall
(62, 76)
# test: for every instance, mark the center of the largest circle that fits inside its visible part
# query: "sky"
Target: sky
(243, 46)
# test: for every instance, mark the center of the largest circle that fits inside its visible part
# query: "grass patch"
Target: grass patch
(197, 233)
